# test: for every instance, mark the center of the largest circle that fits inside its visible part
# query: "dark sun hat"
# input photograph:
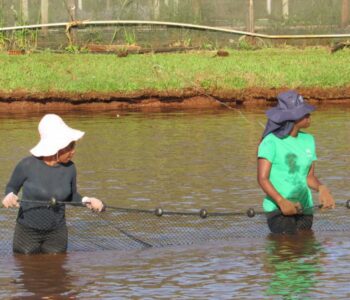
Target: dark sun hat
(290, 107)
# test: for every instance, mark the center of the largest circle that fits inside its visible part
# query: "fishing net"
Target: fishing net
(124, 229)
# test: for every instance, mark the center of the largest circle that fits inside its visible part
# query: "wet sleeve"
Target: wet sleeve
(76, 197)
(17, 179)
(267, 149)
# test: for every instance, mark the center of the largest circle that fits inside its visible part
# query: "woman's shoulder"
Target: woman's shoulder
(268, 141)
(28, 160)
(69, 166)
(306, 136)
(26, 164)
(270, 138)
(31, 160)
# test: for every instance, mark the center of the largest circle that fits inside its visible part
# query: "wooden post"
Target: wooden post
(72, 9)
(25, 12)
(44, 11)
(176, 6)
(345, 13)
(250, 21)
(269, 7)
(196, 9)
(285, 9)
(44, 14)
(156, 6)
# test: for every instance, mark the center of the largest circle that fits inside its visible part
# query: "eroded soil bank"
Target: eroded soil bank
(22, 101)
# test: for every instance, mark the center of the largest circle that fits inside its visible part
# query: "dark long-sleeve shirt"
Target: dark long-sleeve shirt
(41, 182)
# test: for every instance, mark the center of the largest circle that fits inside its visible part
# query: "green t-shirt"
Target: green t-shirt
(291, 159)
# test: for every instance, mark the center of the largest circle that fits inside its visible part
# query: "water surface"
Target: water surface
(184, 161)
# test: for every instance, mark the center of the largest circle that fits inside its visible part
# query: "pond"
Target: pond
(184, 161)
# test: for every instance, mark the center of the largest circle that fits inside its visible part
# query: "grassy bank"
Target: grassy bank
(268, 68)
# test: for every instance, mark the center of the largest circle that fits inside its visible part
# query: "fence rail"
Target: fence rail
(69, 25)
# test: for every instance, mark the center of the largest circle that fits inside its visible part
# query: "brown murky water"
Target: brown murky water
(183, 161)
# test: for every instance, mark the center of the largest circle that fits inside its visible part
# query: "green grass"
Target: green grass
(268, 68)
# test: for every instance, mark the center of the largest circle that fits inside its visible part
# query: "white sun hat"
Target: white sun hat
(54, 136)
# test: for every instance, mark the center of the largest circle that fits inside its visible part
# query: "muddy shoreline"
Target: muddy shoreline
(22, 101)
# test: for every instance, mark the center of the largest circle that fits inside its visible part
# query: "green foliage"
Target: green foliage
(93, 36)
(208, 46)
(22, 39)
(3, 41)
(244, 44)
(129, 37)
(72, 49)
(75, 49)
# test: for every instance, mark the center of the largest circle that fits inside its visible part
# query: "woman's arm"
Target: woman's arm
(312, 180)
(90, 202)
(17, 179)
(76, 197)
(325, 197)
(287, 207)
(14, 185)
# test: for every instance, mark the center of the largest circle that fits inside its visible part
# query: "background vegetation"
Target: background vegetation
(313, 67)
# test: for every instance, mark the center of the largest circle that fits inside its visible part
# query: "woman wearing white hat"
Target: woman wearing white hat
(286, 164)
(48, 174)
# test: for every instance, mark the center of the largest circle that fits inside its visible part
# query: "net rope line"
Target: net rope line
(130, 228)
(78, 23)
(203, 213)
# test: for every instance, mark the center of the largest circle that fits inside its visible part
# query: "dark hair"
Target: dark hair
(70, 147)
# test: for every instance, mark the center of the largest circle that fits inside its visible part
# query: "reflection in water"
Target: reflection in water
(293, 261)
(44, 276)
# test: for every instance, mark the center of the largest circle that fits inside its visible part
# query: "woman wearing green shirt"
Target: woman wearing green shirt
(286, 166)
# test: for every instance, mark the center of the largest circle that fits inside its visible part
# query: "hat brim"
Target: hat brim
(50, 146)
(278, 116)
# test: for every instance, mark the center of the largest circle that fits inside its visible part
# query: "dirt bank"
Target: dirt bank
(29, 101)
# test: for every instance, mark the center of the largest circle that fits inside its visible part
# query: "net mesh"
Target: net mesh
(269, 17)
(124, 229)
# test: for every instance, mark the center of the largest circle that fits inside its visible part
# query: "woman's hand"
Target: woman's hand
(94, 204)
(289, 208)
(10, 200)
(325, 198)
